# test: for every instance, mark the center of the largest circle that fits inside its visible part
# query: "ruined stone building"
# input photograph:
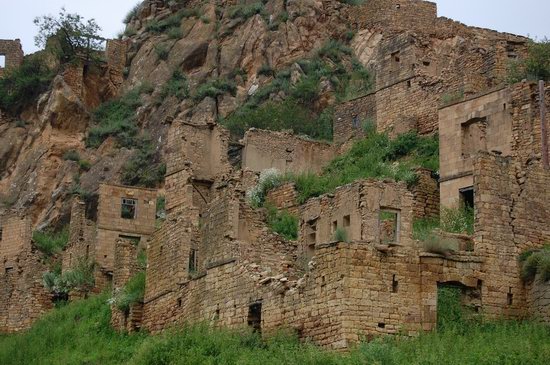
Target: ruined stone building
(214, 259)
(11, 54)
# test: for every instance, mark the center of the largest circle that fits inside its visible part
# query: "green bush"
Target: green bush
(21, 86)
(162, 51)
(84, 165)
(535, 262)
(458, 220)
(71, 155)
(286, 115)
(144, 168)
(132, 13)
(269, 179)
(535, 67)
(266, 70)
(341, 235)
(171, 22)
(177, 86)
(116, 118)
(51, 243)
(245, 11)
(215, 88)
(132, 293)
(282, 222)
(80, 277)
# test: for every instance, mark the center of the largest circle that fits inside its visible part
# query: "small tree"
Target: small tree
(75, 35)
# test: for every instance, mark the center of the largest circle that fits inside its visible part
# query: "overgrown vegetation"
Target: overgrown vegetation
(80, 333)
(172, 22)
(215, 88)
(132, 293)
(282, 222)
(331, 68)
(116, 118)
(536, 262)
(145, 167)
(21, 86)
(535, 67)
(177, 86)
(341, 235)
(50, 242)
(80, 277)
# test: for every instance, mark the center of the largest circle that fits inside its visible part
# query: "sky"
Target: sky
(524, 17)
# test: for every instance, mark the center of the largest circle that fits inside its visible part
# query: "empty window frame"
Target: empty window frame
(128, 208)
(474, 137)
(388, 225)
(255, 316)
(134, 239)
(347, 221)
(467, 197)
(193, 261)
(2, 61)
(311, 232)
(1, 234)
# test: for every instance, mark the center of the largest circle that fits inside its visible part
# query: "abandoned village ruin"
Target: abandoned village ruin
(213, 257)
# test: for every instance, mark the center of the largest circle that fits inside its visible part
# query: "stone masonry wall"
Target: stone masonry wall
(82, 236)
(283, 151)
(539, 300)
(13, 53)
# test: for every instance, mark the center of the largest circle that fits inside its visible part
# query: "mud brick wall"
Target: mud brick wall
(284, 197)
(363, 107)
(510, 212)
(396, 15)
(482, 123)
(426, 195)
(283, 151)
(82, 236)
(13, 53)
(539, 300)
(16, 238)
(110, 224)
(126, 266)
(356, 208)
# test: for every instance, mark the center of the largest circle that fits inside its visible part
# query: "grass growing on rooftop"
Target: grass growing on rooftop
(51, 242)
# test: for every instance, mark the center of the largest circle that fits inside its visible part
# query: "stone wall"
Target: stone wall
(539, 300)
(82, 237)
(111, 225)
(351, 116)
(425, 195)
(13, 53)
(510, 216)
(283, 151)
(284, 197)
(23, 298)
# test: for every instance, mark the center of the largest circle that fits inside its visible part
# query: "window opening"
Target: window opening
(394, 285)
(467, 197)
(2, 61)
(193, 260)
(347, 221)
(255, 316)
(389, 226)
(128, 208)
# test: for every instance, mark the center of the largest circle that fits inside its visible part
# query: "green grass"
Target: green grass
(376, 156)
(20, 87)
(536, 66)
(132, 293)
(80, 333)
(282, 222)
(145, 167)
(50, 242)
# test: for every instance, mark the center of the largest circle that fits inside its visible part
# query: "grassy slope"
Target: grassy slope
(79, 333)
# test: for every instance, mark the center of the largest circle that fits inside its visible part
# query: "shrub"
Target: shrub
(80, 277)
(459, 220)
(341, 235)
(21, 86)
(132, 13)
(535, 67)
(177, 86)
(132, 293)
(71, 155)
(50, 242)
(116, 118)
(246, 11)
(144, 168)
(453, 97)
(422, 228)
(173, 21)
(162, 51)
(85, 165)
(282, 222)
(269, 179)
(175, 33)
(535, 262)
(215, 88)
(266, 70)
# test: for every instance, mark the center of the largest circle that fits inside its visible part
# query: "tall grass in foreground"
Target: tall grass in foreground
(79, 333)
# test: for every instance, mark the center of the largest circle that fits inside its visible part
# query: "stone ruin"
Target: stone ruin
(11, 55)
(215, 260)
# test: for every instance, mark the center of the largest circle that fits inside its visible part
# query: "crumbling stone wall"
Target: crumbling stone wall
(425, 195)
(510, 216)
(23, 298)
(283, 151)
(350, 117)
(126, 258)
(82, 237)
(538, 300)
(284, 197)
(13, 53)
(111, 225)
